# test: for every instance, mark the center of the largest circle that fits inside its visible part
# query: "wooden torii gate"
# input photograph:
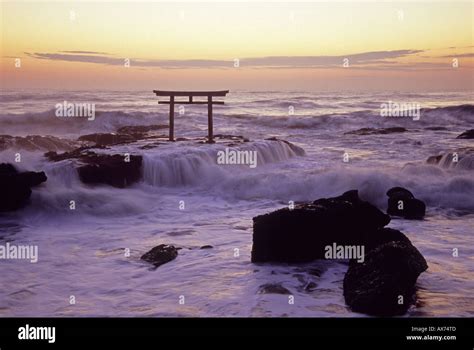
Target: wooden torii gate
(190, 95)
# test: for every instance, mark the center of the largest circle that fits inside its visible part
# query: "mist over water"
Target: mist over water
(81, 252)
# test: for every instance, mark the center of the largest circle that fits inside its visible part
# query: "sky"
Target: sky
(87, 45)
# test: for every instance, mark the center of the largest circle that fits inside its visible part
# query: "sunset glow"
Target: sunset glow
(86, 44)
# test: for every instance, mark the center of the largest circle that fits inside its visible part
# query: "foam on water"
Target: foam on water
(81, 251)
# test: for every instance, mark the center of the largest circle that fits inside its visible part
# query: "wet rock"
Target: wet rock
(384, 284)
(35, 142)
(375, 131)
(107, 139)
(78, 153)
(469, 134)
(15, 187)
(460, 158)
(273, 288)
(301, 234)
(383, 236)
(112, 170)
(401, 202)
(93, 168)
(434, 159)
(160, 255)
(140, 129)
(436, 128)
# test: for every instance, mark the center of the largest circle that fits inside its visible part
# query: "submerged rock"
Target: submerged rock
(468, 134)
(107, 139)
(301, 234)
(15, 187)
(384, 285)
(273, 288)
(401, 202)
(140, 129)
(375, 131)
(160, 255)
(380, 280)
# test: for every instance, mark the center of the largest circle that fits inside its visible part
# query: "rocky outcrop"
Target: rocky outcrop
(401, 202)
(375, 131)
(35, 142)
(273, 288)
(468, 134)
(107, 139)
(160, 255)
(379, 282)
(301, 234)
(384, 284)
(15, 187)
(116, 170)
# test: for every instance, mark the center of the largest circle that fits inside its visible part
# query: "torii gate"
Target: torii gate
(190, 95)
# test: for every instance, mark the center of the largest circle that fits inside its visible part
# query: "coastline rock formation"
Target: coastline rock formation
(376, 131)
(381, 283)
(468, 134)
(402, 202)
(15, 187)
(115, 170)
(384, 284)
(301, 234)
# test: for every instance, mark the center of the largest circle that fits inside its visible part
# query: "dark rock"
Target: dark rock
(273, 288)
(94, 168)
(375, 131)
(301, 234)
(401, 202)
(139, 129)
(112, 170)
(383, 236)
(125, 134)
(206, 247)
(298, 150)
(384, 284)
(35, 142)
(400, 192)
(160, 255)
(75, 154)
(107, 139)
(15, 187)
(436, 128)
(469, 134)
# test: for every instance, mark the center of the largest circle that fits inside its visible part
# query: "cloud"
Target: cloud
(86, 52)
(468, 54)
(364, 58)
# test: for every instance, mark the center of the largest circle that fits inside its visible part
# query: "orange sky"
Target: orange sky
(84, 45)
